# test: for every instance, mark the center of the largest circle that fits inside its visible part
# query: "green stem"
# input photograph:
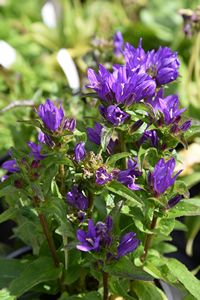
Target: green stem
(105, 286)
(148, 239)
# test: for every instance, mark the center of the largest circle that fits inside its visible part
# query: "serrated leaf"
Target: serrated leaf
(40, 270)
(121, 190)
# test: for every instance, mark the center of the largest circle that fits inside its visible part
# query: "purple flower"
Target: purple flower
(121, 86)
(127, 177)
(79, 151)
(102, 176)
(114, 114)
(128, 244)
(168, 106)
(51, 116)
(76, 199)
(11, 166)
(69, 124)
(104, 230)
(135, 57)
(151, 136)
(98, 236)
(118, 42)
(35, 151)
(94, 134)
(186, 125)
(89, 240)
(173, 201)
(99, 83)
(45, 139)
(161, 178)
(162, 65)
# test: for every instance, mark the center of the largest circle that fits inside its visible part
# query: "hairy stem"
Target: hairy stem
(149, 238)
(105, 286)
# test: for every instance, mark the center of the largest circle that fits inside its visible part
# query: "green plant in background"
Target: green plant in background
(84, 35)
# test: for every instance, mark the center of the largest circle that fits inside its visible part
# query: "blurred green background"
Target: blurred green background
(35, 30)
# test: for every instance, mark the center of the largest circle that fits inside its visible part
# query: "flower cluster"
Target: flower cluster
(54, 121)
(138, 80)
(99, 237)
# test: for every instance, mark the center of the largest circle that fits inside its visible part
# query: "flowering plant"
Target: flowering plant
(97, 204)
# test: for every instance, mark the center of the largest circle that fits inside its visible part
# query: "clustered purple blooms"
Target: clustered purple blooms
(80, 151)
(102, 176)
(122, 86)
(161, 65)
(137, 80)
(76, 199)
(53, 117)
(169, 107)
(100, 236)
(162, 176)
(128, 176)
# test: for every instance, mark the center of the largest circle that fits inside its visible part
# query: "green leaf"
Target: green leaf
(8, 214)
(119, 288)
(181, 188)
(125, 268)
(192, 179)
(186, 207)
(105, 137)
(5, 295)
(147, 290)
(165, 226)
(193, 225)
(190, 282)
(40, 270)
(10, 269)
(121, 190)
(115, 157)
(193, 131)
(88, 296)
